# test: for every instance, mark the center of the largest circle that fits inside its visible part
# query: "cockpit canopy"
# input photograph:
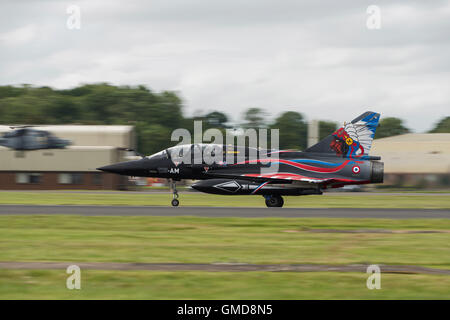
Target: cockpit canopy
(186, 150)
(208, 153)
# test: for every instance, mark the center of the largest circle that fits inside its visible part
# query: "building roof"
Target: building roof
(414, 153)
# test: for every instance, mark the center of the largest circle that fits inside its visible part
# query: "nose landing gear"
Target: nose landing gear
(274, 201)
(175, 201)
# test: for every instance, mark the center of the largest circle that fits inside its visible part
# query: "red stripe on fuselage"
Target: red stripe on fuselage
(282, 175)
(299, 165)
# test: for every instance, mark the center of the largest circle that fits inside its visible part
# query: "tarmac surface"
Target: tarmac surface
(221, 267)
(243, 212)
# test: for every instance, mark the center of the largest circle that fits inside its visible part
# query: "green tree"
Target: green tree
(293, 130)
(152, 138)
(10, 91)
(216, 119)
(154, 114)
(326, 128)
(442, 126)
(62, 109)
(255, 118)
(97, 104)
(390, 127)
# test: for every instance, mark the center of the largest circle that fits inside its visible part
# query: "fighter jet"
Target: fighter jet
(342, 158)
(26, 138)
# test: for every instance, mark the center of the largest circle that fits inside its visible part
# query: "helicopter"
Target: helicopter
(28, 138)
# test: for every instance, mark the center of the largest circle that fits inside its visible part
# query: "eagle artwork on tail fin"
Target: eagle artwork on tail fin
(354, 139)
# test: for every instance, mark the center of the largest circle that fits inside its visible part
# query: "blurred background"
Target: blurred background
(109, 76)
(100, 121)
(82, 81)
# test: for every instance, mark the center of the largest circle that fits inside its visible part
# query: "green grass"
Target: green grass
(205, 240)
(197, 199)
(209, 240)
(51, 284)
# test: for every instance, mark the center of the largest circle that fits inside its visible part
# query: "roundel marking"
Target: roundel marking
(349, 141)
(356, 169)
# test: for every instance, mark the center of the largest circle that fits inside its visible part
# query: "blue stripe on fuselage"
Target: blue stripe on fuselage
(316, 162)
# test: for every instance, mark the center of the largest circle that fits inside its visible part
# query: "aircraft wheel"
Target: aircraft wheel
(175, 202)
(274, 201)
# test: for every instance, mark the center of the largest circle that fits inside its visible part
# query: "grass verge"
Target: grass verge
(210, 240)
(206, 240)
(428, 201)
(51, 284)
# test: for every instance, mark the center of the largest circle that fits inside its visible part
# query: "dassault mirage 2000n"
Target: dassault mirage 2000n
(342, 158)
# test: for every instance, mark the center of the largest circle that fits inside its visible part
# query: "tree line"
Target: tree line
(154, 114)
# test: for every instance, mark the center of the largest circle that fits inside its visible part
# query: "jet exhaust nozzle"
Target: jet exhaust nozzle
(377, 175)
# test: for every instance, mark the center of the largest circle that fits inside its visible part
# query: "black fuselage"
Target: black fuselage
(301, 169)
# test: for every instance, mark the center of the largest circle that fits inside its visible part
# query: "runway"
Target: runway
(243, 212)
(220, 267)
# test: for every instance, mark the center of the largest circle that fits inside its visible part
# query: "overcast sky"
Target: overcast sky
(314, 57)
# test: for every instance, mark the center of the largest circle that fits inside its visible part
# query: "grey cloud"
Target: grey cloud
(316, 57)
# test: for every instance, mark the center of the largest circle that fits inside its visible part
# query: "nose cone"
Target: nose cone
(128, 168)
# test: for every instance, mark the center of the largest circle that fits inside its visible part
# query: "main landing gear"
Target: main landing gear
(173, 186)
(274, 201)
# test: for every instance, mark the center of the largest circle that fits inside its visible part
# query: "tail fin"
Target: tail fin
(354, 139)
